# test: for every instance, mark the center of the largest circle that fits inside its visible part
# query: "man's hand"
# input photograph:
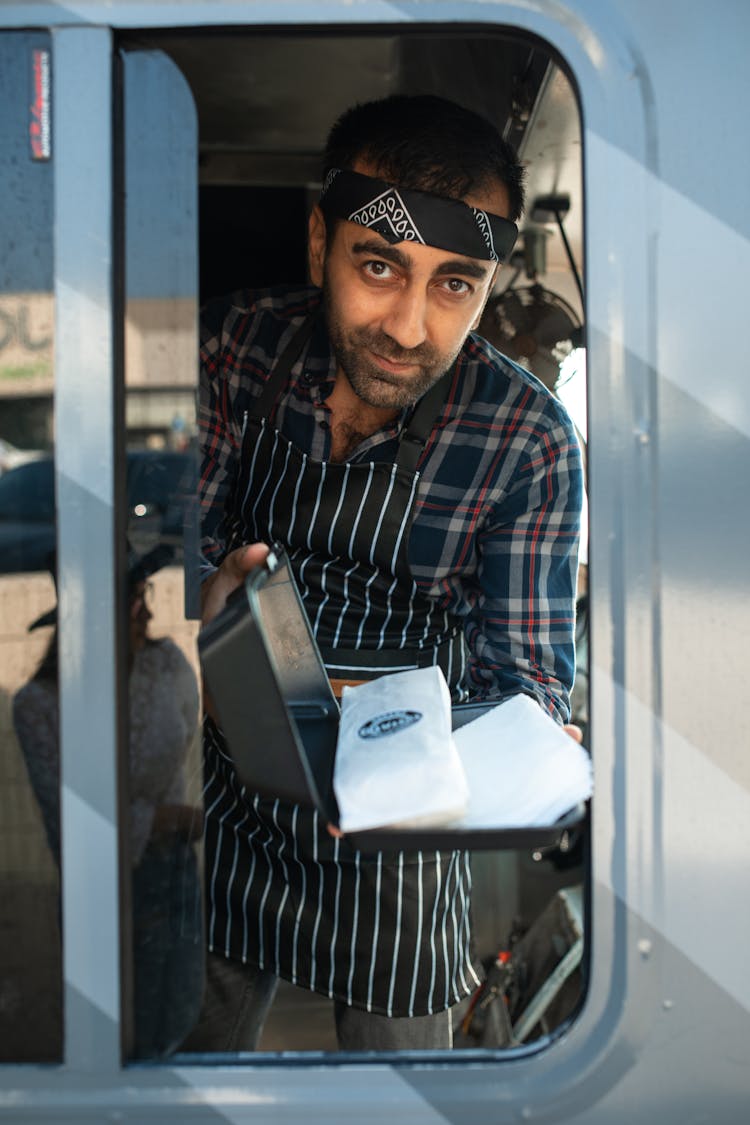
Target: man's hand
(216, 589)
(231, 574)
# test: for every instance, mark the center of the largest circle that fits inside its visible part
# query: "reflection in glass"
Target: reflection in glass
(30, 946)
(163, 707)
(164, 825)
(157, 484)
(164, 761)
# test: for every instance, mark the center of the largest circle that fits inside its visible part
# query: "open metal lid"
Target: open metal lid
(270, 690)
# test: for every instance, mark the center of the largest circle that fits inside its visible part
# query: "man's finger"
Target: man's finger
(228, 577)
(242, 561)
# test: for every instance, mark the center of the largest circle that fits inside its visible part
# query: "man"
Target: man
(428, 494)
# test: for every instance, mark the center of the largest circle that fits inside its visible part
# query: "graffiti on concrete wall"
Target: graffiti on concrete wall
(26, 343)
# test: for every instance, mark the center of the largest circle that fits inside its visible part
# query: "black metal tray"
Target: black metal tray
(280, 717)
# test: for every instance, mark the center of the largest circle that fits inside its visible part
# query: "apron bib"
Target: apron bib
(388, 934)
(346, 529)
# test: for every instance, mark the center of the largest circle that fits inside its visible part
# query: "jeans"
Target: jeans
(238, 998)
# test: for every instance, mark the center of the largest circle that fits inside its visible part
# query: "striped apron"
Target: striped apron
(389, 934)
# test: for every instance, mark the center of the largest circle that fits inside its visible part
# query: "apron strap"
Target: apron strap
(417, 431)
(265, 403)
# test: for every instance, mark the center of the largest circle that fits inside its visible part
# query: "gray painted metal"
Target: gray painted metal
(665, 1031)
(84, 399)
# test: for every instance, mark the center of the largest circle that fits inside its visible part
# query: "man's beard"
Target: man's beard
(376, 387)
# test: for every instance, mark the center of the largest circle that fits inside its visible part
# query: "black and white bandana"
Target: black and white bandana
(403, 215)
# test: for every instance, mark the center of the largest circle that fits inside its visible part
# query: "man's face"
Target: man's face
(398, 314)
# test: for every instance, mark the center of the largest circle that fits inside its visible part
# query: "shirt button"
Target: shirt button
(324, 425)
(307, 378)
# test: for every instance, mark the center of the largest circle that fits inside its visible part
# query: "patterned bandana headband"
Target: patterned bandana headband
(402, 215)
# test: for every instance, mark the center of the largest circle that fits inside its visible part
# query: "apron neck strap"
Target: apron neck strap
(265, 403)
(418, 429)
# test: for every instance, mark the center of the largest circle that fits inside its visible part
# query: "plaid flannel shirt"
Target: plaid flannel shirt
(495, 532)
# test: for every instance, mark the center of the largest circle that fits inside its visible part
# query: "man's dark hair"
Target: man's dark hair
(427, 143)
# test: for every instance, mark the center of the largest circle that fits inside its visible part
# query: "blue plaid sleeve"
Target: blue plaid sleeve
(521, 626)
(495, 538)
(218, 426)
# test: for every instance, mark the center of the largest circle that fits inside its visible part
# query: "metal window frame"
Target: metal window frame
(595, 1052)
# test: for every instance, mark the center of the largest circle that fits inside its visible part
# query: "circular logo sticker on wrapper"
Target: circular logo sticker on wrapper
(390, 722)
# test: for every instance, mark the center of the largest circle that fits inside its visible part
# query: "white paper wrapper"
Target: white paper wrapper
(396, 761)
(522, 768)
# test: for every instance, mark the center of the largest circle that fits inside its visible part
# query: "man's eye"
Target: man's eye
(457, 285)
(377, 268)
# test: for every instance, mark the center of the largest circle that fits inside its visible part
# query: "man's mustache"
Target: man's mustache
(382, 344)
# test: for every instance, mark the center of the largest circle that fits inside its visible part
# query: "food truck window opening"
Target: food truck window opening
(259, 174)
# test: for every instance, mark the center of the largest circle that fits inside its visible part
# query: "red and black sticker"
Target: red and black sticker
(40, 124)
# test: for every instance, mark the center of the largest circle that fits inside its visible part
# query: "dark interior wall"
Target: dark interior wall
(250, 236)
(264, 105)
